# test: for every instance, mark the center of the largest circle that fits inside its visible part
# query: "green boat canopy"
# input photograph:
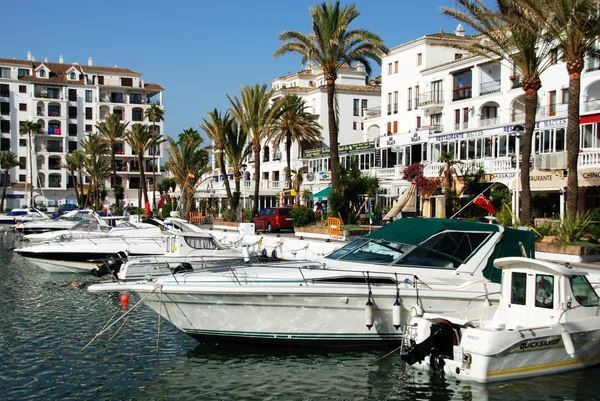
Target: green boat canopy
(416, 231)
(321, 195)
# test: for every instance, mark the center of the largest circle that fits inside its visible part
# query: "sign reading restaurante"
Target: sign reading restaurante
(343, 148)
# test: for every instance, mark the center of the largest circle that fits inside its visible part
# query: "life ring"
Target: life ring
(542, 295)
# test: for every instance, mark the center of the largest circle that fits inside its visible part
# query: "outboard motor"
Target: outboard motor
(111, 265)
(439, 345)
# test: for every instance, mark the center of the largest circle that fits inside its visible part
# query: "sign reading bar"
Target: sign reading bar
(343, 148)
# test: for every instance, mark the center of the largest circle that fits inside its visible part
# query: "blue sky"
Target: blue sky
(198, 50)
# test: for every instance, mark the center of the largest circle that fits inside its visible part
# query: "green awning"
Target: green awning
(321, 195)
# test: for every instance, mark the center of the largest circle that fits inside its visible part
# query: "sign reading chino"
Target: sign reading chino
(588, 178)
(343, 148)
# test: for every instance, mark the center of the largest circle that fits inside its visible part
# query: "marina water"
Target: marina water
(46, 320)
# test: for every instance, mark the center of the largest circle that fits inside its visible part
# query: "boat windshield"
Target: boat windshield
(583, 291)
(447, 250)
(201, 242)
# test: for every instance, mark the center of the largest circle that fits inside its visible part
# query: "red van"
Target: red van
(273, 219)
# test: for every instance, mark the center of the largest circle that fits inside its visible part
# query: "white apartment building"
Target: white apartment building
(436, 99)
(67, 100)
(354, 96)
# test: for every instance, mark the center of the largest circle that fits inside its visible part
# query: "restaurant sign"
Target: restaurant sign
(353, 147)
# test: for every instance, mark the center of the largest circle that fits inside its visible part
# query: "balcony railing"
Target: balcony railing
(486, 122)
(432, 98)
(489, 87)
(591, 105)
(459, 126)
(464, 92)
(46, 95)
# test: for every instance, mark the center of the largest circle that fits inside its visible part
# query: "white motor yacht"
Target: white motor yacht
(358, 295)
(62, 222)
(22, 215)
(546, 322)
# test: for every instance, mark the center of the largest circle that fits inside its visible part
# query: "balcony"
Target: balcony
(461, 126)
(431, 100)
(48, 95)
(464, 92)
(277, 156)
(591, 105)
(487, 122)
(592, 64)
(487, 88)
(54, 149)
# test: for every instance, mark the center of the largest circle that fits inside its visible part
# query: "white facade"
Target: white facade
(67, 100)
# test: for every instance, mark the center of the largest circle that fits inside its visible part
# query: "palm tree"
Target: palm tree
(96, 165)
(295, 125)
(8, 160)
(112, 131)
(216, 128)
(255, 115)
(296, 182)
(573, 26)
(77, 158)
(504, 35)
(187, 162)
(141, 139)
(72, 165)
(236, 150)
(332, 45)
(29, 128)
(189, 134)
(154, 114)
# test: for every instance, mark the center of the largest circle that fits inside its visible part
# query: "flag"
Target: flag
(485, 204)
(191, 176)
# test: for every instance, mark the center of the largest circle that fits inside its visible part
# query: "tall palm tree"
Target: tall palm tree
(77, 159)
(257, 117)
(573, 26)
(236, 150)
(96, 165)
(154, 114)
(29, 128)
(504, 35)
(141, 139)
(295, 125)
(187, 161)
(216, 128)
(296, 183)
(8, 160)
(112, 131)
(189, 134)
(332, 45)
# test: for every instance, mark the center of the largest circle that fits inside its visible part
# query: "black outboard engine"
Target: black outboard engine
(111, 265)
(183, 267)
(439, 345)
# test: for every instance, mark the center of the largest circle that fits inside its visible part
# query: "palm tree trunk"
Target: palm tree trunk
(31, 168)
(236, 178)
(225, 178)
(143, 177)
(80, 197)
(531, 98)
(574, 69)
(256, 177)
(288, 149)
(4, 190)
(75, 186)
(333, 134)
(114, 171)
(154, 170)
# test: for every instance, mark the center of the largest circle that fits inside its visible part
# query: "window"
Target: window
(72, 95)
(389, 103)
(395, 67)
(418, 122)
(5, 108)
(354, 125)
(583, 291)
(88, 128)
(137, 115)
(518, 288)
(4, 126)
(5, 144)
(72, 76)
(100, 80)
(409, 100)
(88, 113)
(21, 177)
(390, 69)
(395, 129)
(126, 81)
(4, 72)
(465, 117)
(42, 73)
(72, 146)
(544, 291)
(419, 58)
(417, 97)
(462, 85)
(457, 118)
(356, 103)
(389, 128)
(22, 89)
(457, 56)
(72, 129)
(363, 106)
(552, 105)
(396, 102)
(72, 111)
(4, 90)
(54, 111)
(554, 56)
(23, 161)
(88, 95)
(565, 96)
(22, 106)
(23, 72)
(54, 181)
(22, 142)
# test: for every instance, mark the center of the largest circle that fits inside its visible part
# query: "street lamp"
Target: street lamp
(243, 171)
(518, 131)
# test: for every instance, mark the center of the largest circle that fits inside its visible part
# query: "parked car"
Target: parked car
(274, 219)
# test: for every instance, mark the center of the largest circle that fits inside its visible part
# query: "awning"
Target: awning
(321, 195)
(588, 177)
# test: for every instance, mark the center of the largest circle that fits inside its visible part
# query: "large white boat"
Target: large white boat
(67, 253)
(546, 322)
(358, 295)
(22, 215)
(184, 251)
(63, 222)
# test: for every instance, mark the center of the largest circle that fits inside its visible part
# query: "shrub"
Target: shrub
(545, 229)
(571, 228)
(229, 215)
(248, 214)
(335, 201)
(302, 216)
(594, 214)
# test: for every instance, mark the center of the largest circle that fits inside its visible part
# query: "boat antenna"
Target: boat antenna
(473, 200)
